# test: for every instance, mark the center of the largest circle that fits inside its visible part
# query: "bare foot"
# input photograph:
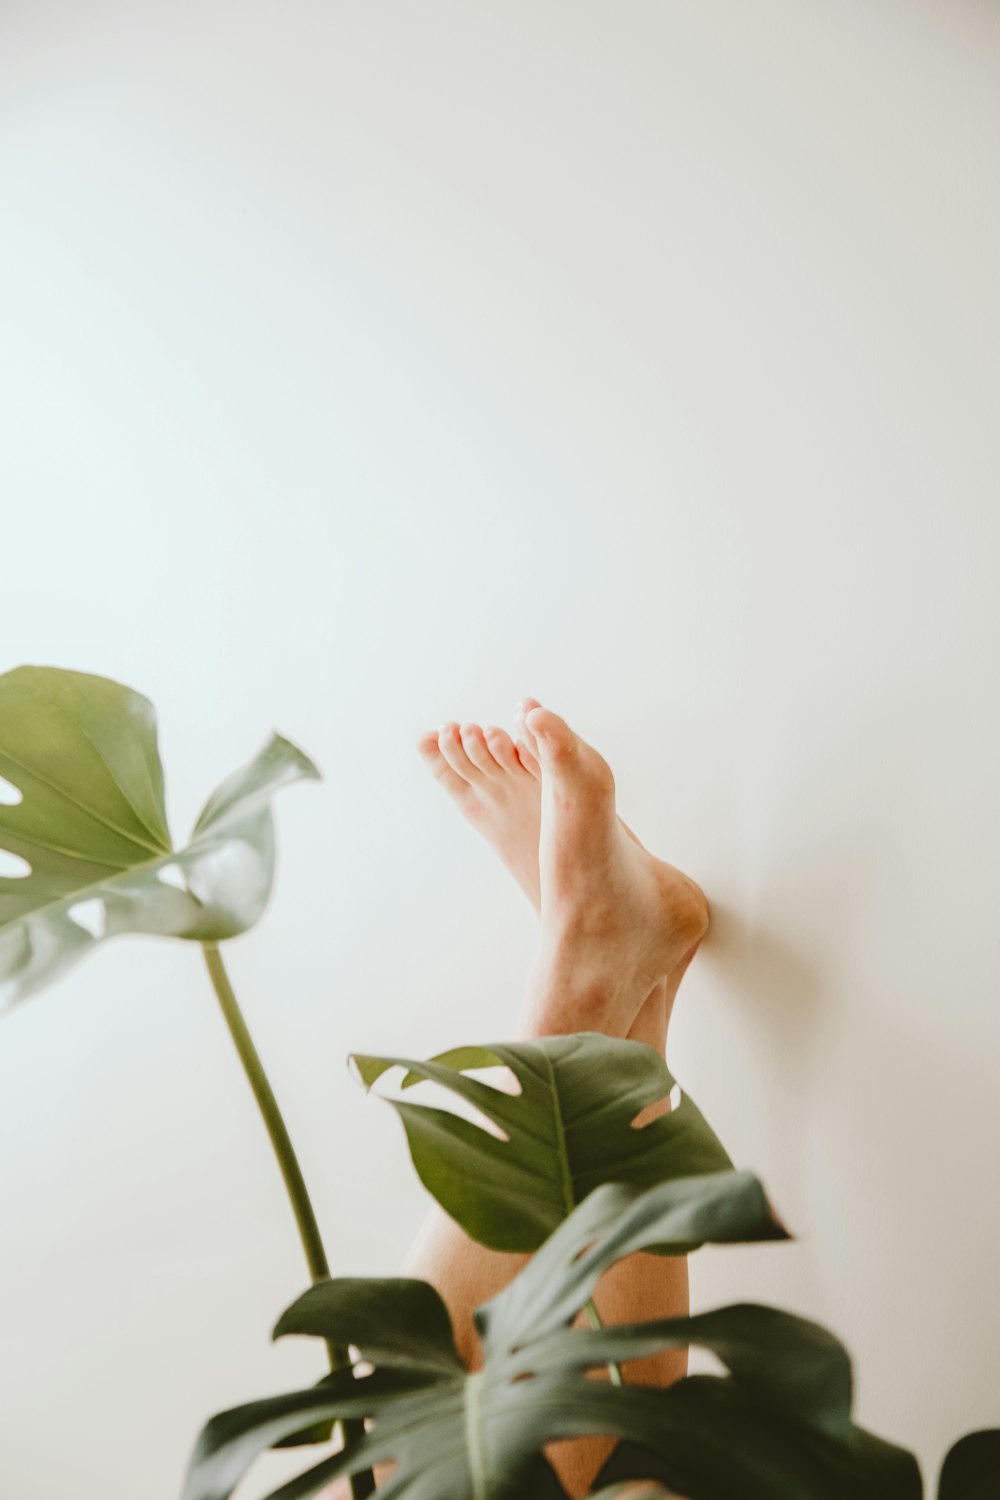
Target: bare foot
(616, 920)
(602, 896)
(496, 786)
(492, 787)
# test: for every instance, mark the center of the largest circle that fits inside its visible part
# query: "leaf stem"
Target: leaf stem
(291, 1172)
(593, 1317)
(362, 1484)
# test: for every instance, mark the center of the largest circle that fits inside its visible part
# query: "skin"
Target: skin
(617, 931)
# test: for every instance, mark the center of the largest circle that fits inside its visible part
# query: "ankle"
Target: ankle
(577, 986)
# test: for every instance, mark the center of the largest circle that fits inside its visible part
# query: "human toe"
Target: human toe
(475, 746)
(430, 753)
(451, 747)
(503, 751)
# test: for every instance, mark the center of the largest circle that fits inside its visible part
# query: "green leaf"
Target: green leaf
(399, 1322)
(230, 1442)
(757, 1432)
(614, 1222)
(569, 1129)
(88, 823)
(792, 1365)
(971, 1470)
(722, 1443)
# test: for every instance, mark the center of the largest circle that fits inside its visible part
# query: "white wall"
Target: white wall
(368, 365)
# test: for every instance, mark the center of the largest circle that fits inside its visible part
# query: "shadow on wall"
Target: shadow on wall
(780, 990)
(792, 959)
(874, 1128)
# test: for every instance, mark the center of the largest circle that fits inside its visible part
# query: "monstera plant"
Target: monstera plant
(531, 1146)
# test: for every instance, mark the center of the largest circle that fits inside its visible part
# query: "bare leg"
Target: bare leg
(618, 930)
(639, 1288)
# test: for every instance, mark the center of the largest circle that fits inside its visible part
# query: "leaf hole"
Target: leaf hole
(173, 875)
(660, 1107)
(10, 795)
(702, 1361)
(502, 1078)
(91, 915)
(438, 1097)
(12, 866)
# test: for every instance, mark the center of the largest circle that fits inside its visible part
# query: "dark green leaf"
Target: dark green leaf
(757, 1432)
(785, 1363)
(568, 1130)
(396, 1322)
(615, 1221)
(717, 1442)
(230, 1442)
(972, 1468)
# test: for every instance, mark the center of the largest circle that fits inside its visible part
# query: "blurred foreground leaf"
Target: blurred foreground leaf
(776, 1427)
(972, 1468)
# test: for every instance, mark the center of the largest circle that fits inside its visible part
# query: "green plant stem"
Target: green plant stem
(362, 1485)
(593, 1317)
(291, 1172)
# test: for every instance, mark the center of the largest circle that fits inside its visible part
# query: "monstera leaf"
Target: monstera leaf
(570, 1127)
(777, 1427)
(783, 1459)
(84, 830)
(972, 1469)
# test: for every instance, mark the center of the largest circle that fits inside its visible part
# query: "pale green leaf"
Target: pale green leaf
(87, 823)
